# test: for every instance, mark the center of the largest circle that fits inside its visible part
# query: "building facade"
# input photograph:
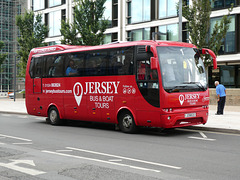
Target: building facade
(132, 20)
(8, 34)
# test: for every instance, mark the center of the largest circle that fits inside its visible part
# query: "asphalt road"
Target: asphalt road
(30, 149)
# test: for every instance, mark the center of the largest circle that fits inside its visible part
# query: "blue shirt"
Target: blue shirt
(70, 70)
(220, 90)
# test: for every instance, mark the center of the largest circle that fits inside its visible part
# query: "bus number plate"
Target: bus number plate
(190, 115)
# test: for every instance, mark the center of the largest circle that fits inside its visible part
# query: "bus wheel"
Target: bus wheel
(53, 116)
(126, 122)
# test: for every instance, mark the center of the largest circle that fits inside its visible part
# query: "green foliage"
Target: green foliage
(198, 16)
(69, 33)
(2, 56)
(32, 34)
(88, 22)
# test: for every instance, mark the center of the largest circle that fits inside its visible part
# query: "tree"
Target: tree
(69, 33)
(198, 16)
(2, 56)
(32, 34)
(88, 22)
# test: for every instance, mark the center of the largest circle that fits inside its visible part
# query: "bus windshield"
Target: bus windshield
(182, 69)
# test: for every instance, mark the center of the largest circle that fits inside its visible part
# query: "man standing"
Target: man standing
(221, 97)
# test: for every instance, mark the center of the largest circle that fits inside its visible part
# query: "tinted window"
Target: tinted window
(117, 61)
(74, 64)
(121, 61)
(36, 67)
(54, 66)
(96, 63)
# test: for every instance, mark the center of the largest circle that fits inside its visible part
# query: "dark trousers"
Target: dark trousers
(221, 104)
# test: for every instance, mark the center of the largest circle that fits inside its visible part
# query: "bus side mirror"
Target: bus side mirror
(154, 63)
(211, 53)
(151, 49)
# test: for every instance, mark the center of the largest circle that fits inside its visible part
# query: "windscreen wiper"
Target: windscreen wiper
(176, 88)
(198, 84)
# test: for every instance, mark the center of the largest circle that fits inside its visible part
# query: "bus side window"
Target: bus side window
(121, 61)
(115, 64)
(127, 61)
(31, 69)
(54, 66)
(143, 71)
(38, 67)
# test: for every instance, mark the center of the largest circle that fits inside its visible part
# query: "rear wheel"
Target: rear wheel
(53, 116)
(126, 123)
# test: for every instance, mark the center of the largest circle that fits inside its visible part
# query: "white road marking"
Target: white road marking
(2, 143)
(199, 138)
(22, 143)
(115, 160)
(18, 138)
(203, 135)
(64, 150)
(210, 132)
(14, 166)
(127, 158)
(102, 161)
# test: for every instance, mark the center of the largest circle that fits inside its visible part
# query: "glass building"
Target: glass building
(131, 20)
(8, 34)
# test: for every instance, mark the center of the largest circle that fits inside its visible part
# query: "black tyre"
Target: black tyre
(53, 116)
(126, 123)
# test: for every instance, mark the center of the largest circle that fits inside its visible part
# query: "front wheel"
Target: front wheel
(126, 123)
(53, 116)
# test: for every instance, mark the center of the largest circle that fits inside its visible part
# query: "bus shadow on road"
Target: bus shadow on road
(165, 132)
(149, 131)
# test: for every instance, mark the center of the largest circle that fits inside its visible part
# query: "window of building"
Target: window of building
(54, 3)
(64, 14)
(229, 42)
(108, 12)
(167, 8)
(219, 4)
(113, 37)
(228, 75)
(169, 32)
(107, 39)
(38, 4)
(111, 12)
(139, 11)
(139, 34)
(115, 13)
(54, 23)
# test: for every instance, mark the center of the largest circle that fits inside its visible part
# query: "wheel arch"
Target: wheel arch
(55, 105)
(123, 109)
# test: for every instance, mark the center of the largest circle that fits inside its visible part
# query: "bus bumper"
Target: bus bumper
(173, 120)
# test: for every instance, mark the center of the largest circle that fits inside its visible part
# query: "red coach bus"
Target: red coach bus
(143, 83)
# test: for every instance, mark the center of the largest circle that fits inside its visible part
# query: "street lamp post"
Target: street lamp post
(180, 22)
(15, 77)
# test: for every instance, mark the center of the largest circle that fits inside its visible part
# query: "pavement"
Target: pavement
(227, 123)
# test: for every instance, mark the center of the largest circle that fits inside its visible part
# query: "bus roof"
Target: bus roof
(56, 48)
